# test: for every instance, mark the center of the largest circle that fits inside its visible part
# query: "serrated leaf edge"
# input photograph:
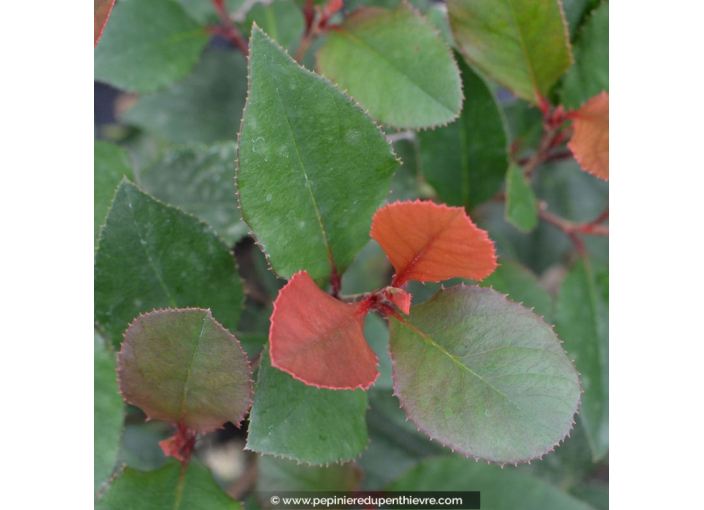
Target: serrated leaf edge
(469, 454)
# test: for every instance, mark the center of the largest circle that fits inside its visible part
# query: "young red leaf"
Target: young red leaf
(430, 243)
(590, 142)
(101, 13)
(400, 298)
(184, 367)
(320, 340)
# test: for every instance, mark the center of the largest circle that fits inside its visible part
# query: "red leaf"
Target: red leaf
(430, 243)
(180, 445)
(320, 340)
(590, 142)
(399, 297)
(182, 366)
(101, 13)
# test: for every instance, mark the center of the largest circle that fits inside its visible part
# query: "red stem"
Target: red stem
(315, 27)
(593, 228)
(229, 31)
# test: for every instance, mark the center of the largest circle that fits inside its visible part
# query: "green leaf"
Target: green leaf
(148, 45)
(521, 205)
(286, 475)
(396, 445)
(521, 285)
(500, 489)
(369, 271)
(200, 180)
(304, 423)
(569, 464)
(313, 167)
(184, 367)
(108, 414)
(595, 494)
(522, 44)
(590, 74)
(166, 489)
(395, 65)
(377, 334)
(406, 182)
(204, 11)
(483, 375)
(140, 444)
(421, 5)
(575, 11)
(437, 15)
(582, 323)
(110, 164)
(572, 194)
(152, 255)
(466, 161)
(282, 20)
(205, 107)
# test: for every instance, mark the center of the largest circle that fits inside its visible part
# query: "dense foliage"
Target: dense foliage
(352, 245)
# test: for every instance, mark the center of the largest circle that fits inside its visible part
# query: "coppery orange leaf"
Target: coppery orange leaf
(320, 340)
(399, 297)
(101, 13)
(430, 243)
(590, 142)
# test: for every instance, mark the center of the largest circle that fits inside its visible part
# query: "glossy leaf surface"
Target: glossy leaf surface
(110, 164)
(304, 423)
(155, 256)
(501, 489)
(183, 367)
(522, 44)
(483, 375)
(430, 243)
(148, 45)
(320, 340)
(590, 73)
(205, 107)
(108, 414)
(313, 167)
(466, 161)
(521, 205)
(582, 322)
(395, 65)
(200, 180)
(590, 141)
(101, 13)
(166, 489)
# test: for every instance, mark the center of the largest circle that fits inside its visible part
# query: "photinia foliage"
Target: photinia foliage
(352, 246)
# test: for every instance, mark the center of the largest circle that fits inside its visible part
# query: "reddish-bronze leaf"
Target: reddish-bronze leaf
(101, 13)
(590, 142)
(320, 340)
(430, 243)
(400, 298)
(184, 367)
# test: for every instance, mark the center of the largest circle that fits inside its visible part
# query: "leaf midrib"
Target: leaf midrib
(401, 278)
(303, 168)
(376, 53)
(189, 370)
(524, 49)
(143, 242)
(455, 360)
